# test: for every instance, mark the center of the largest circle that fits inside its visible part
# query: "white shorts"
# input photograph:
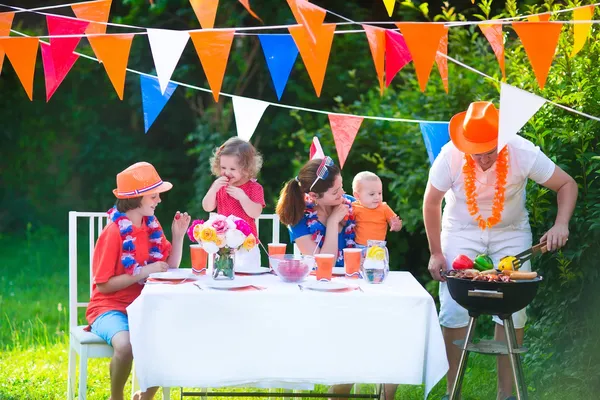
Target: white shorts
(471, 241)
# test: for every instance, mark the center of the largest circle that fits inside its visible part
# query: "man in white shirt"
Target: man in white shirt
(483, 217)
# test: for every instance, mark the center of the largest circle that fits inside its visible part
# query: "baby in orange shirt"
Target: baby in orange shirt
(372, 214)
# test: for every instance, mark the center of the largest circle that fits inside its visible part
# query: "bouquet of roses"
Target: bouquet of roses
(220, 234)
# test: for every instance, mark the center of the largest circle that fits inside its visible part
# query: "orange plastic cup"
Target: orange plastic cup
(352, 259)
(276, 249)
(325, 264)
(199, 259)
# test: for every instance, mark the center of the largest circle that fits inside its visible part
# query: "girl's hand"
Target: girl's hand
(395, 224)
(180, 224)
(236, 193)
(219, 183)
(339, 213)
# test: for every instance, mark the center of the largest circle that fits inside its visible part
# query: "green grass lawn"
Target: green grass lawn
(34, 334)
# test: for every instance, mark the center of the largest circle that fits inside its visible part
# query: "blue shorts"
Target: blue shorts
(109, 323)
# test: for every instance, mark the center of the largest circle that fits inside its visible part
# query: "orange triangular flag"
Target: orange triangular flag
(22, 52)
(97, 11)
(376, 38)
(315, 56)
(493, 33)
(545, 17)
(423, 41)
(206, 12)
(6, 20)
(581, 31)
(246, 4)
(344, 129)
(213, 49)
(442, 61)
(113, 52)
(309, 15)
(539, 40)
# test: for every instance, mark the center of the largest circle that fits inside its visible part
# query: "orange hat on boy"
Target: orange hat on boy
(140, 179)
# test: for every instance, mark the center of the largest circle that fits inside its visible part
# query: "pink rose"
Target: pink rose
(243, 227)
(190, 230)
(220, 226)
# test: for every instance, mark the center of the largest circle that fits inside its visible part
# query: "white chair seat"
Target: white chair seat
(83, 337)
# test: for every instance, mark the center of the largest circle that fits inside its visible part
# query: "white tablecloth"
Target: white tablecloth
(388, 333)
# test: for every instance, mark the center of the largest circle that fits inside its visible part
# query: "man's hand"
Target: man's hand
(437, 265)
(556, 237)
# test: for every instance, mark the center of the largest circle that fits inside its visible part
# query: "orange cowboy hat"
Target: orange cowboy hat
(140, 179)
(475, 131)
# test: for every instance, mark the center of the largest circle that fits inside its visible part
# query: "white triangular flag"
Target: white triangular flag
(166, 46)
(516, 108)
(248, 113)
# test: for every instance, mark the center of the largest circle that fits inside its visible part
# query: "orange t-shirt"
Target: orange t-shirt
(107, 263)
(371, 223)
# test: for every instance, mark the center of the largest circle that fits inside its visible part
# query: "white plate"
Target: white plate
(252, 271)
(175, 273)
(227, 284)
(339, 271)
(326, 286)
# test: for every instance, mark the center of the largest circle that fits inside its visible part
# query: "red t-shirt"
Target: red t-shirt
(107, 263)
(227, 205)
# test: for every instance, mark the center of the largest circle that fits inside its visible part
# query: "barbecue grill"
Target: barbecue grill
(495, 298)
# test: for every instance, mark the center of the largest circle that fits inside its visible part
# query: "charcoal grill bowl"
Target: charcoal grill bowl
(495, 298)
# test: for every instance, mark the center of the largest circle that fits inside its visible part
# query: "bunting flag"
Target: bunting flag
(423, 41)
(316, 151)
(281, 53)
(93, 11)
(153, 98)
(166, 47)
(539, 40)
(376, 38)
(6, 20)
(310, 16)
(206, 12)
(344, 129)
(213, 49)
(246, 4)
(493, 33)
(22, 52)
(397, 55)
(435, 137)
(516, 108)
(59, 57)
(580, 31)
(545, 17)
(441, 61)
(248, 113)
(315, 56)
(113, 52)
(389, 6)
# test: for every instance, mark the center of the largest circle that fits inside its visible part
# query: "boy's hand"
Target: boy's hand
(159, 266)
(395, 224)
(236, 193)
(180, 224)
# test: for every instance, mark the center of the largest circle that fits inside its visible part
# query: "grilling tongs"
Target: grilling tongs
(527, 254)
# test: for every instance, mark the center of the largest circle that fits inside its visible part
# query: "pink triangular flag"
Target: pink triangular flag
(397, 55)
(344, 129)
(58, 57)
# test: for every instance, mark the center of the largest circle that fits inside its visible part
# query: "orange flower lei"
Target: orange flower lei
(498, 202)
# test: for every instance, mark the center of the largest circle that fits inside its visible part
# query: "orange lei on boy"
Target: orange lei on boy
(470, 188)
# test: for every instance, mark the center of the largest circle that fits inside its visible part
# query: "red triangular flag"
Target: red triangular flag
(58, 57)
(22, 52)
(423, 41)
(213, 49)
(376, 38)
(246, 4)
(493, 33)
(442, 61)
(344, 129)
(397, 55)
(6, 20)
(539, 40)
(316, 151)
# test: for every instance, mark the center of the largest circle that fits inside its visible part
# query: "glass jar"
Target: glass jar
(376, 265)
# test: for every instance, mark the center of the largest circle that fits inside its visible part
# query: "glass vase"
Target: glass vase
(223, 262)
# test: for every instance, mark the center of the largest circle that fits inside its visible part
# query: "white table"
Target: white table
(388, 333)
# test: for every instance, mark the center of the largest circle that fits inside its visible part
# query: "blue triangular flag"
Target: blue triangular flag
(153, 101)
(280, 52)
(435, 137)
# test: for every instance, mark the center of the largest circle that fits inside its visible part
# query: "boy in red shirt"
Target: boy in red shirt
(129, 249)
